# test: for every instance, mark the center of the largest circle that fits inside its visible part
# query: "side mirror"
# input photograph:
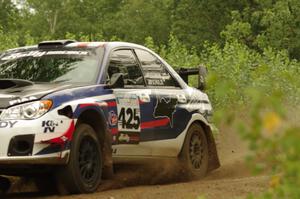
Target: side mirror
(117, 80)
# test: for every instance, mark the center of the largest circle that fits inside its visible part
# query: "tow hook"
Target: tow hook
(5, 185)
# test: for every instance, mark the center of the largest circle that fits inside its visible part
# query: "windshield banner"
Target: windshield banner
(41, 53)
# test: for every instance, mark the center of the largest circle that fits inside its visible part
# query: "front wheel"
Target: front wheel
(194, 155)
(83, 172)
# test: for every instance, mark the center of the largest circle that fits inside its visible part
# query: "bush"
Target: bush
(261, 87)
(235, 69)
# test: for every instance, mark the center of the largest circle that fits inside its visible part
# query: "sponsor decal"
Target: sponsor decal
(129, 117)
(20, 100)
(114, 139)
(112, 118)
(165, 108)
(124, 138)
(41, 53)
(8, 124)
(155, 82)
(49, 125)
(114, 131)
(58, 144)
(129, 138)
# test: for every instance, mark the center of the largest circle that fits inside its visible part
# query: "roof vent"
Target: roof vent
(54, 44)
(14, 83)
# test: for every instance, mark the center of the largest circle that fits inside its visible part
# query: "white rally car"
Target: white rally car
(73, 108)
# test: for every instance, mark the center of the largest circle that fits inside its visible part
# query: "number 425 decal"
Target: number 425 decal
(129, 119)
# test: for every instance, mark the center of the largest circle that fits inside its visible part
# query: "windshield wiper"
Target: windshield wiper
(60, 81)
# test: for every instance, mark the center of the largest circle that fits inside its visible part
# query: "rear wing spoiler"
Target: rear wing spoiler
(201, 71)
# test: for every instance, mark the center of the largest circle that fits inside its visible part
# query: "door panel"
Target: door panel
(133, 108)
(169, 115)
(132, 102)
(168, 118)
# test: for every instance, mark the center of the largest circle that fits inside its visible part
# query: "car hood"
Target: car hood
(13, 92)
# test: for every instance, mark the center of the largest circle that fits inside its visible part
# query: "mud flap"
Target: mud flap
(213, 161)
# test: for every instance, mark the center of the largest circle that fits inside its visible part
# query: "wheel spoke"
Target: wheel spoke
(88, 160)
(196, 150)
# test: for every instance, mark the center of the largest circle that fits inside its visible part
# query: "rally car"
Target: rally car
(75, 108)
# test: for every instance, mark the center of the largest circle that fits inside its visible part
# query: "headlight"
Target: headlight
(27, 111)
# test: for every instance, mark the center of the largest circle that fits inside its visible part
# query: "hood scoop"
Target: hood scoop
(14, 83)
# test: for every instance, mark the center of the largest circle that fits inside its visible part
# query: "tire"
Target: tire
(194, 154)
(83, 172)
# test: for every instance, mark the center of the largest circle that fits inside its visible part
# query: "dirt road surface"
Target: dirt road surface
(232, 180)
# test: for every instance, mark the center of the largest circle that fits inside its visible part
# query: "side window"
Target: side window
(124, 62)
(155, 72)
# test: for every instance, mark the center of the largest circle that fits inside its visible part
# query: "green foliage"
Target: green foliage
(150, 44)
(280, 24)
(9, 16)
(138, 19)
(175, 52)
(272, 24)
(235, 69)
(198, 21)
(237, 30)
(7, 41)
(258, 24)
(273, 133)
(261, 87)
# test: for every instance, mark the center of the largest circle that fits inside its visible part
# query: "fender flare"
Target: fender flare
(95, 116)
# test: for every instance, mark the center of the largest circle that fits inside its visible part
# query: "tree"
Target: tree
(196, 21)
(8, 16)
(138, 19)
(273, 24)
(94, 17)
(44, 18)
(54, 18)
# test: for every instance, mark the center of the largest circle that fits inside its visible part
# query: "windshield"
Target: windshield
(68, 65)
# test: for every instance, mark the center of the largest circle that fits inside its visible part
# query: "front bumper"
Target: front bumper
(40, 141)
(51, 159)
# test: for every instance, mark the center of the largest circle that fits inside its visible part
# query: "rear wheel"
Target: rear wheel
(194, 155)
(83, 172)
